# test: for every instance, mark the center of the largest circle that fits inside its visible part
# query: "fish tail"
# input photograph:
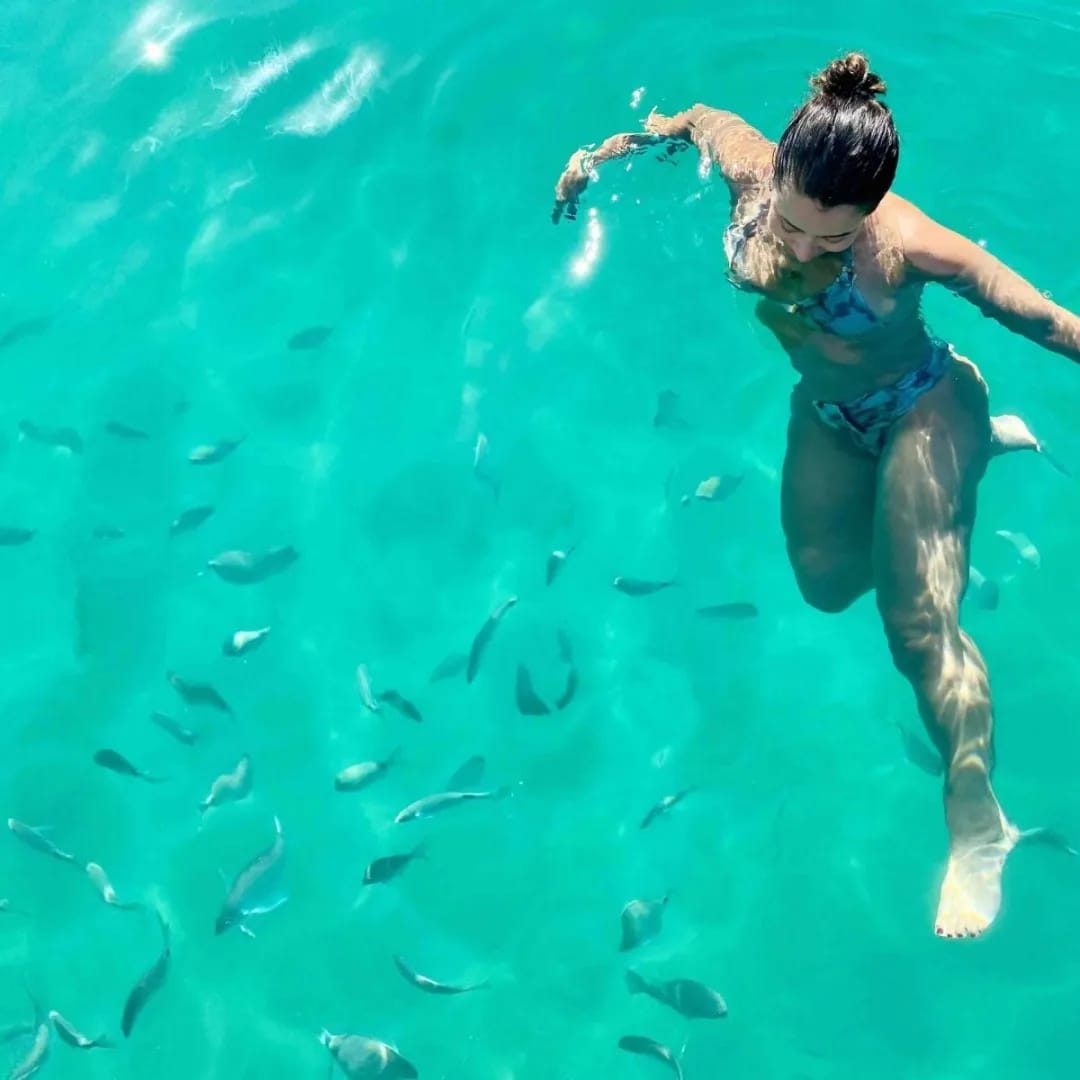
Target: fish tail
(104, 1042)
(634, 982)
(277, 825)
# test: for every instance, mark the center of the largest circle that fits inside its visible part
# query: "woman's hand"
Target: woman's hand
(668, 127)
(574, 180)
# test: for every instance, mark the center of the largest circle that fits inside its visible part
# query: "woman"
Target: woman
(890, 431)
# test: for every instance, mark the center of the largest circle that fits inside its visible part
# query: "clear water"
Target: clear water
(387, 170)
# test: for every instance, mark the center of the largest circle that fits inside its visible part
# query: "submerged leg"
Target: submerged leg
(924, 516)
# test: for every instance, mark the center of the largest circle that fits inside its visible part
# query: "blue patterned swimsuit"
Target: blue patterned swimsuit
(842, 310)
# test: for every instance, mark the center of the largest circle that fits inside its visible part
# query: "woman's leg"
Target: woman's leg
(925, 511)
(827, 508)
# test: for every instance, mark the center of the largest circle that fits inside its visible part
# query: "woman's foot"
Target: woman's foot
(971, 891)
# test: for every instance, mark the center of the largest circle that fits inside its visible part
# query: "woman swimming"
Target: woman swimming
(890, 430)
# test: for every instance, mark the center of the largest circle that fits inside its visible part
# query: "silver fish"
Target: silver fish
(363, 683)
(256, 890)
(555, 562)
(150, 983)
(987, 592)
(212, 453)
(640, 587)
(189, 519)
(177, 731)
(641, 922)
(1026, 551)
(640, 1044)
(484, 636)
(117, 763)
(664, 805)
(569, 690)
(430, 986)
(38, 1052)
(361, 1058)
(430, 805)
(717, 488)
(63, 438)
(527, 700)
(687, 996)
(919, 754)
(482, 469)
(25, 329)
(247, 568)
(100, 880)
(195, 693)
(73, 1037)
(37, 841)
(389, 866)
(244, 641)
(355, 777)
(230, 787)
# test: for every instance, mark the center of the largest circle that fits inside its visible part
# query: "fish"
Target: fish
(310, 338)
(1026, 551)
(555, 562)
(1050, 838)
(194, 693)
(63, 438)
(389, 866)
(257, 889)
(528, 701)
(33, 838)
(177, 731)
(484, 636)
(641, 921)
(16, 1031)
(363, 682)
(108, 532)
(231, 786)
(150, 983)
(361, 1058)
(14, 537)
(125, 431)
(919, 754)
(117, 763)
(987, 593)
(430, 986)
(566, 649)
(246, 568)
(24, 329)
(739, 609)
(403, 705)
(664, 805)
(38, 1051)
(639, 587)
(99, 879)
(355, 777)
(73, 1037)
(212, 453)
(693, 999)
(482, 464)
(189, 519)
(569, 691)
(667, 411)
(640, 1044)
(452, 665)
(718, 488)
(1008, 432)
(244, 641)
(468, 775)
(430, 805)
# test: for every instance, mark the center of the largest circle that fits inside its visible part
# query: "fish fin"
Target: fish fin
(1048, 838)
(104, 1042)
(634, 982)
(277, 825)
(245, 929)
(266, 909)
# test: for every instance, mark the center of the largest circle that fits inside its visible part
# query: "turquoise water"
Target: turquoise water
(387, 171)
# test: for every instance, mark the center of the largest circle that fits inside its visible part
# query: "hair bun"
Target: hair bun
(849, 77)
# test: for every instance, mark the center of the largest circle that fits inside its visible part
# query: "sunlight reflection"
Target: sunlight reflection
(155, 32)
(585, 264)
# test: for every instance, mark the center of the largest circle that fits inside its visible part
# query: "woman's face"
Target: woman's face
(806, 229)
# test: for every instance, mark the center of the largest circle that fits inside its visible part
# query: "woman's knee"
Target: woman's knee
(915, 634)
(828, 580)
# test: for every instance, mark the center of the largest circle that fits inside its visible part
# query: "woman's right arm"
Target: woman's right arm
(743, 154)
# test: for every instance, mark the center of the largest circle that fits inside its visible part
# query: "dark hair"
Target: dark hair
(841, 147)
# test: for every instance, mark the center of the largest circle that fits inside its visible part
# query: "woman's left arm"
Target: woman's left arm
(939, 254)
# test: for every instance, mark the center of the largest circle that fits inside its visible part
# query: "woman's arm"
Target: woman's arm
(742, 154)
(941, 255)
